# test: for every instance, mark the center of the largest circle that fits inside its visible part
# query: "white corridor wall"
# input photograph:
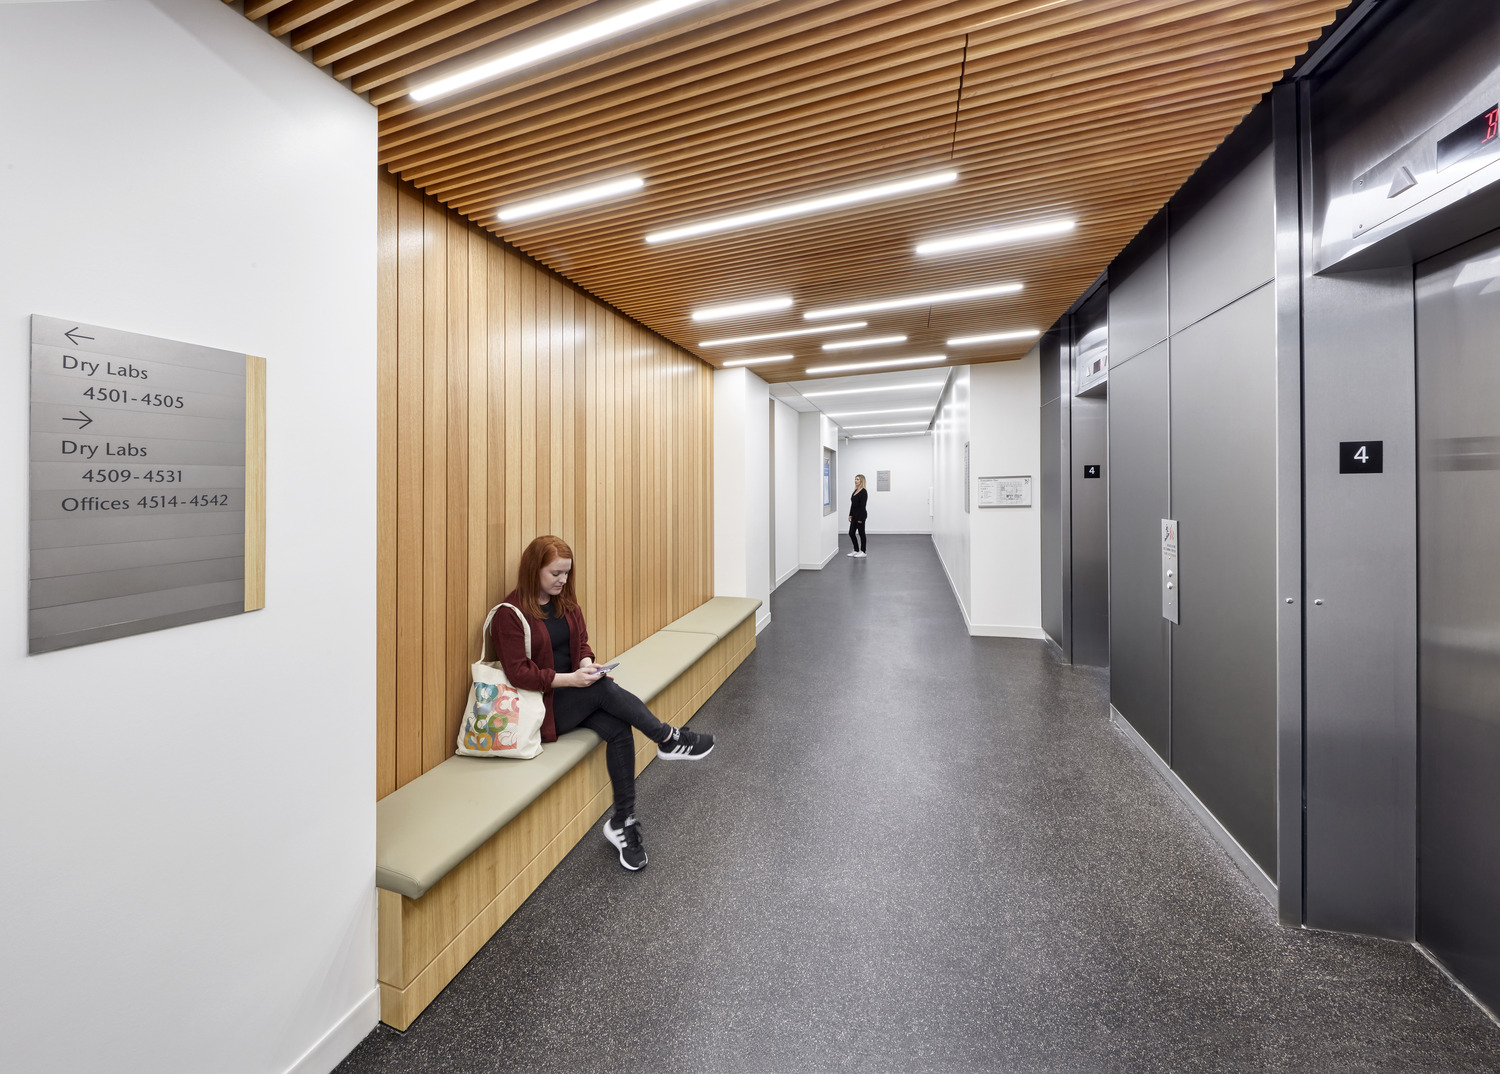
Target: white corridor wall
(905, 508)
(189, 835)
(992, 555)
(786, 489)
(742, 489)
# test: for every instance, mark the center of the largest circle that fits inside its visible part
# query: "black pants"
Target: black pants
(857, 534)
(610, 711)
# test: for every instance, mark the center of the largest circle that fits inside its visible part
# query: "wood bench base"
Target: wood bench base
(425, 942)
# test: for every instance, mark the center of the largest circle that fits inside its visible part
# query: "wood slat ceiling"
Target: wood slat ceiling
(1096, 110)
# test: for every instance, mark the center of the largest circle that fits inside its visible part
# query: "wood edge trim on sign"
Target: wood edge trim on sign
(255, 483)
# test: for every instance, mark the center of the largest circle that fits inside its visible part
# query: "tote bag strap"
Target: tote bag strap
(484, 636)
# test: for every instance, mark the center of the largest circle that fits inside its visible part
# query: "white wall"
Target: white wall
(189, 837)
(904, 509)
(742, 489)
(950, 525)
(993, 556)
(817, 533)
(786, 491)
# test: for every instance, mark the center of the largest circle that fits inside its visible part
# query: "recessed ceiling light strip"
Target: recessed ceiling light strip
(757, 361)
(741, 309)
(873, 341)
(820, 330)
(935, 298)
(566, 199)
(554, 45)
(994, 337)
(877, 388)
(884, 364)
(994, 236)
(789, 209)
(874, 436)
(877, 413)
(887, 425)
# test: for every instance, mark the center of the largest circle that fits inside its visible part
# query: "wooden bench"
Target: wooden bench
(460, 847)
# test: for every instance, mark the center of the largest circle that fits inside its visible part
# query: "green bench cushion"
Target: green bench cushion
(718, 616)
(650, 667)
(437, 820)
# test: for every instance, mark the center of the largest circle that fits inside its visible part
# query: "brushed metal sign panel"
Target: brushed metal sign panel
(137, 483)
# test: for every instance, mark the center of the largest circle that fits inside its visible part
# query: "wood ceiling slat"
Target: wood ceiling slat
(389, 84)
(346, 17)
(926, 100)
(1098, 109)
(1055, 79)
(448, 33)
(259, 9)
(299, 13)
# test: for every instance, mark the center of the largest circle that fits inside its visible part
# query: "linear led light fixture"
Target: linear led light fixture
(873, 436)
(994, 236)
(788, 209)
(783, 335)
(875, 413)
(554, 45)
(888, 425)
(994, 337)
(757, 361)
(883, 364)
(935, 298)
(873, 341)
(566, 199)
(879, 388)
(741, 309)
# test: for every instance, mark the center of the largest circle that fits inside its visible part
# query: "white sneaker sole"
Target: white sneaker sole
(617, 840)
(683, 756)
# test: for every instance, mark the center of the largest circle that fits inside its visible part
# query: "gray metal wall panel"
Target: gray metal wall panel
(1138, 294)
(1223, 376)
(1225, 246)
(1361, 644)
(1054, 378)
(1139, 480)
(1458, 389)
(1090, 516)
(1049, 496)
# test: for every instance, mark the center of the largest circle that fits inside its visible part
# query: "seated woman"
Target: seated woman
(561, 666)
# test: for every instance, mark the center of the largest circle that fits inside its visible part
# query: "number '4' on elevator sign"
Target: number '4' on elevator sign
(1362, 457)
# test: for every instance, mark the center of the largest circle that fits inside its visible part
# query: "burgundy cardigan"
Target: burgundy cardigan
(534, 672)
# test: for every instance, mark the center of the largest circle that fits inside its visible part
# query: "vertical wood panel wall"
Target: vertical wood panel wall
(512, 405)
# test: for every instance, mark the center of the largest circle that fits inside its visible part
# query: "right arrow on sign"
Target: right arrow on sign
(83, 419)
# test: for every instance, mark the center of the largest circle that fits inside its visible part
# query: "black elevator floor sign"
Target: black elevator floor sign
(1362, 457)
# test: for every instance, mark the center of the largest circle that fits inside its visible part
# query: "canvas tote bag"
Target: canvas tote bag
(500, 720)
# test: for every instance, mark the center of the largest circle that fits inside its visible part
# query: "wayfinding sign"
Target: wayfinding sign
(138, 482)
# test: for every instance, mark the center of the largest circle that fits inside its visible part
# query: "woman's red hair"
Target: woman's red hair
(538, 554)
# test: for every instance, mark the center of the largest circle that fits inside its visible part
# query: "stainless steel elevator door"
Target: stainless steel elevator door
(1458, 603)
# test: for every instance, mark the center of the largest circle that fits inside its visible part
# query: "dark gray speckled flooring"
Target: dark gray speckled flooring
(917, 851)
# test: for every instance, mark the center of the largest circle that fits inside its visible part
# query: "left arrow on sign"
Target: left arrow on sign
(84, 420)
(74, 339)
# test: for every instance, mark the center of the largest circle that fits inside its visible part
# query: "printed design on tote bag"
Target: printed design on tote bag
(492, 726)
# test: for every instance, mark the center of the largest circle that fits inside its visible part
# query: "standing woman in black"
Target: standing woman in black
(857, 515)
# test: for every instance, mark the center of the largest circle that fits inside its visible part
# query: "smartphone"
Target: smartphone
(603, 669)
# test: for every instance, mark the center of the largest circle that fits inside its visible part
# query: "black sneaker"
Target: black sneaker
(628, 839)
(685, 745)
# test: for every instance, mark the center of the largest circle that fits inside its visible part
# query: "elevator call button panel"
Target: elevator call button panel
(1169, 574)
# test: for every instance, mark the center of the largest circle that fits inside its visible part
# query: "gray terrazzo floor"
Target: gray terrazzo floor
(918, 851)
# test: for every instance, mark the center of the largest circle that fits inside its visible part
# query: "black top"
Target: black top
(857, 504)
(562, 638)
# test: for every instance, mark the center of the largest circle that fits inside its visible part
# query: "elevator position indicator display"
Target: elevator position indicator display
(1170, 576)
(1362, 457)
(1478, 133)
(138, 483)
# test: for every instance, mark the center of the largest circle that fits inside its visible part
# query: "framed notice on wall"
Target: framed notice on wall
(147, 483)
(1005, 492)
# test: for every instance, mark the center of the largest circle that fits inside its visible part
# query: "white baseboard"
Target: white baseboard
(818, 566)
(784, 577)
(342, 1039)
(898, 533)
(762, 618)
(1001, 630)
(1237, 854)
